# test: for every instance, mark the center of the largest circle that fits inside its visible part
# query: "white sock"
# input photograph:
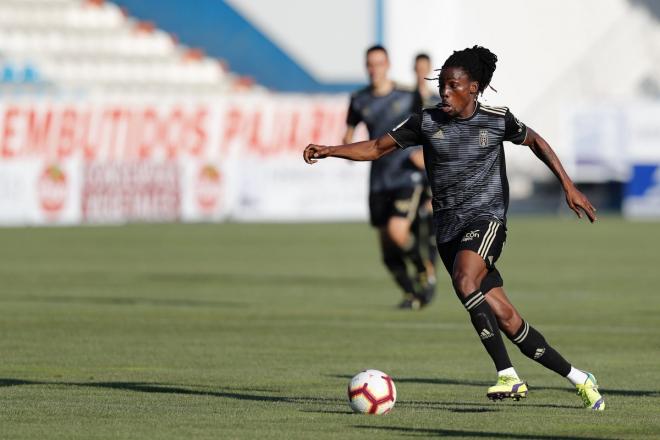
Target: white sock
(508, 372)
(577, 377)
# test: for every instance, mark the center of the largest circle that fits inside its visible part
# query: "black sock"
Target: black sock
(393, 258)
(533, 345)
(485, 323)
(414, 255)
(424, 231)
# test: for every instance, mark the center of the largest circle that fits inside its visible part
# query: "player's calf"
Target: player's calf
(533, 345)
(484, 322)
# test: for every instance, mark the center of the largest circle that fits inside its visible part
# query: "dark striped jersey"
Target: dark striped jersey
(464, 161)
(381, 114)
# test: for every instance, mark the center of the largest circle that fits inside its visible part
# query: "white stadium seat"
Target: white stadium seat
(74, 44)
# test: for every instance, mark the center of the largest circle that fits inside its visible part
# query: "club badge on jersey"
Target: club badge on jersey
(483, 137)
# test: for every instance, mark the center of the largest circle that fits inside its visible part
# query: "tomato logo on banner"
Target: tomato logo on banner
(207, 188)
(52, 190)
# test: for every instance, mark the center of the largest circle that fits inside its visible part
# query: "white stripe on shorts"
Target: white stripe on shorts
(489, 237)
(491, 240)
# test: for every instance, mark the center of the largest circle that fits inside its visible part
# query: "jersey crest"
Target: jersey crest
(483, 137)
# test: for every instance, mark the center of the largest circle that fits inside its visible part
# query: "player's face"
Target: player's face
(457, 91)
(422, 68)
(377, 66)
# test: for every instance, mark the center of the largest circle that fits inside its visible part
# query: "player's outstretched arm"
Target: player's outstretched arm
(366, 150)
(577, 201)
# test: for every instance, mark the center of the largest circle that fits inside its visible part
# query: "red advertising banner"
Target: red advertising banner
(103, 131)
(128, 160)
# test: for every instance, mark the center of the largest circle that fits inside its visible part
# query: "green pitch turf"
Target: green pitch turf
(253, 331)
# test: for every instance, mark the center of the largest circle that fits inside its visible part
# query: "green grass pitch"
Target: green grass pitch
(253, 331)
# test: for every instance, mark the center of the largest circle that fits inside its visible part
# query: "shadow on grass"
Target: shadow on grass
(145, 387)
(458, 433)
(609, 391)
(122, 301)
(328, 411)
(258, 279)
(490, 406)
(477, 383)
(472, 410)
(245, 394)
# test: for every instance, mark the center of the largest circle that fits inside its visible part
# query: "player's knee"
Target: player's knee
(402, 241)
(492, 280)
(398, 232)
(464, 283)
(401, 238)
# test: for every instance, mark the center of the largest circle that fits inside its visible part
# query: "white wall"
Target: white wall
(328, 38)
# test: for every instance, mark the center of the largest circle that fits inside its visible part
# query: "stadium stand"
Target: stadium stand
(74, 46)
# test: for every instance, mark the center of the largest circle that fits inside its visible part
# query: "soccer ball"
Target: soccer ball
(371, 392)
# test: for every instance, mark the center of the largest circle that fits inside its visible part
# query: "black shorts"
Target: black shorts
(402, 202)
(485, 237)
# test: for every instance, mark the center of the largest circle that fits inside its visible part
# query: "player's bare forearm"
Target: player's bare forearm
(348, 136)
(577, 201)
(358, 151)
(543, 151)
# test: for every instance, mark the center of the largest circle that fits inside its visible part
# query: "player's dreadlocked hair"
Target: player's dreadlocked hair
(477, 61)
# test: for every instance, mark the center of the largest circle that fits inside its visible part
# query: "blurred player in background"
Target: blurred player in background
(396, 182)
(422, 69)
(464, 157)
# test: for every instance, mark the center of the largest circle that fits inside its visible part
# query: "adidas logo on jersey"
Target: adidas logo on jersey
(539, 353)
(438, 135)
(485, 334)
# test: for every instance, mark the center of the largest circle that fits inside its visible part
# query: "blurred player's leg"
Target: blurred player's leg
(405, 228)
(423, 230)
(395, 261)
(393, 235)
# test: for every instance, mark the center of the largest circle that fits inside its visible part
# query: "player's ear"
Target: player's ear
(474, 87)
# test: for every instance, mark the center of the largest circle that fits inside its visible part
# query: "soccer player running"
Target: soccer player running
(396, 187)
(422, 69)
(464, 158)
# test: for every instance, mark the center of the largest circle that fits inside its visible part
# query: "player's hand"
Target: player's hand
(313, 152)
(578, 202)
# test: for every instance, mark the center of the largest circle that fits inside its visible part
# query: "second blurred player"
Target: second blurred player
(396, 182)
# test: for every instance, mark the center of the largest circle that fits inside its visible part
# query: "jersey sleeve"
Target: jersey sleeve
(409, 132)
(514, 130)
(353, 117)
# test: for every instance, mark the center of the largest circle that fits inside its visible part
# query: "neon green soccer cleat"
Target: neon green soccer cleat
(589, 394)
(507, 387)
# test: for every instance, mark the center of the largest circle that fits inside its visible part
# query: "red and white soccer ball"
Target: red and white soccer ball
(371, 392)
